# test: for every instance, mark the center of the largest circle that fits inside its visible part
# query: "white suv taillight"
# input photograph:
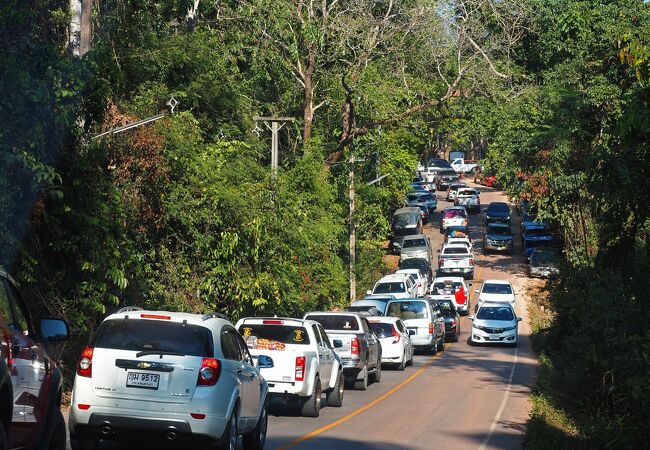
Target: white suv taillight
(300, 368)
(85, 366)
(354, 346)
(209, 372)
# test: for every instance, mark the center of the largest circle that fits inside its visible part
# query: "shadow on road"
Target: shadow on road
(329, 443)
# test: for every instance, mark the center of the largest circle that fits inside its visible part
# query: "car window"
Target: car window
(365, 326)
(389, 288)
(229, 345)
(495, 313)
(455, 251)
(151, 335)
(264, 335)
(400, 326)
(490, 288)
(5, 306)
(382, 330)
(319, 339)
(407, 310)
(414, 243)
(243, 350)
(335, 321)
(21, 323)
(324, 336)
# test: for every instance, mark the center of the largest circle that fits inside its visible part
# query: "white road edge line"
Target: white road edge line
(506, 394)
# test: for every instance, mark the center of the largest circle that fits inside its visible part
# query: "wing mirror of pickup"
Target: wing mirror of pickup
(54, 330)
(369, 292)
(337, 343)
(476, 291)
(411, 332)
(519, 319)
(264, 362)
(470, 317)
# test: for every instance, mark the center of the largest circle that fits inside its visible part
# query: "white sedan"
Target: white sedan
(396, 344)
(495, 323)
(496, 291)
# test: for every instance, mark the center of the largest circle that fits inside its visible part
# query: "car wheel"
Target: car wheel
(441, 345)
(54, 437)
(229, 439)
(402, 363)
(82, 442)
(376, 377)
(434, 348)
(311, 405)
(362, 384)
(3, 437)
(256, 438)
(335, 396)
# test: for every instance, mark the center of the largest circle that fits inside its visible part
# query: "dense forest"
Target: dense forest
(184, 213)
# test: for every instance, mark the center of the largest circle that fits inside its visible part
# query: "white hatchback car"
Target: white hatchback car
(495, 323)
(396, 344)
(496, 291)
(170, 377)
(399, 285)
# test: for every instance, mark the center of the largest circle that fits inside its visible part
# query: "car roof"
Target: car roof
(454, 245)
(495, 281)
(498, 225)
(409, 300)
(452, 279)
(331, 313)
(285, 320)
(406, 210)
(499, 205)
(394, 277)
(414, 237)
(414, 271)
(496, 304)
(383, 319)
(144, 314)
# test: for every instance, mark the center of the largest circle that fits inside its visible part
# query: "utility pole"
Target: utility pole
(86, 26)
(353, 235)
(276, 125)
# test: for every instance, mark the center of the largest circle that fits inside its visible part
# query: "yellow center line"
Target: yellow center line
(358, 411)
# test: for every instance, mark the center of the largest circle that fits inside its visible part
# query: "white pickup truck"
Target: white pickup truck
(460, 166)
(456, 259)
(360, 349)
(296, 359)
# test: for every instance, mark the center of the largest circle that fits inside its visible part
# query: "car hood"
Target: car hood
(498, 214)
(495, 323)
(415, 250)
(497, 298)
(498, 237)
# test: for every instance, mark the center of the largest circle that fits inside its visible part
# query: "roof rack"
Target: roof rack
(214, 315)
(128, 308)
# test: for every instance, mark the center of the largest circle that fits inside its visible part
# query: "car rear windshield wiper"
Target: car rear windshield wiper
(157, 352)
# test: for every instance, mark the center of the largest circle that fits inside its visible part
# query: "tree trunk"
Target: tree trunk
(308, 108)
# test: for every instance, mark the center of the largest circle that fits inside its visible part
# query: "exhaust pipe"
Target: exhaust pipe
(106, 430)
(172, 435)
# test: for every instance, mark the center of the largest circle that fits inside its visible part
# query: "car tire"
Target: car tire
(434, 349)
(311, 405)
(255, 439)
(362, 384)
(83, 442)
(335, 396)
(441, 345)
(376, 376)
(229, 438)
(3, 437)
(402, 364)
(54, 436)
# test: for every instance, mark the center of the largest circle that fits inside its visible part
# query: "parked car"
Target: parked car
(460, 241)
(396, 344)
(406, 222)
(544, 263)
(422, 264)
(168, 376)
(417, 246)
(421, 280)
(495, 291)
(454, 216)
(535, 236)
(453, 190)
(469, 198)
(30, 380)
(497, 212)
(462, 166)
(456, 259)
(399, 285)
(375, 300)
(452, 319)
(355, 343)
(296, 359)
(495, 323)
(417, 198)
(419, 185)
(452, 288)
(498, 238)
(485, 180)
(439, 163)
(423, 320)
(456, 231)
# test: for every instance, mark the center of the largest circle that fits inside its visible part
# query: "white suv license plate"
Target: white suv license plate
(143, 380)
(493, 337)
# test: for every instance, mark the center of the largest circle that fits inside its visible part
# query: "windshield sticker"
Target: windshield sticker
(347, 326)
(247, 331)
(298, 336)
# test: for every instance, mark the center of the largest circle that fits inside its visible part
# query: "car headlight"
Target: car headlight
(478, 327)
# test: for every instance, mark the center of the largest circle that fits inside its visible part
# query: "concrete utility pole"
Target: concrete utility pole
(276, 125)
(353, 234)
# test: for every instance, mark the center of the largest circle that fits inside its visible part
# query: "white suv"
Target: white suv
(168, 376)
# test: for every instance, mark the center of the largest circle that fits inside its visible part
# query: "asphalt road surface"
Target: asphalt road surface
(467, 397)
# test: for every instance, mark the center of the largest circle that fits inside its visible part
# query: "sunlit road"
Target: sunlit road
(466, 397)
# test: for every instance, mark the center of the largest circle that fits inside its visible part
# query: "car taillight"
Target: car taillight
(441, 262)
(354, 345)
(85, 367)
(471, 262)
(155, 316)
(430, 327)
(396, 335)
(273, 322)
(209, 372)
(300, 368)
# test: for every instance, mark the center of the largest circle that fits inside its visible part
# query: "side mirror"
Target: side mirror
(264, 362)
(411, 332)
(337, 343)
(476, 291)
(369, 292)
(518, 319)
(54, 330)
(470, 284)
(471, 317)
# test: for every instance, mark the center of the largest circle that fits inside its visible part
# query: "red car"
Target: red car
(486, 180)
(30, 399)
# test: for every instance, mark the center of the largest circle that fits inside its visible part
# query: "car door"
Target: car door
(373, 343)
(325, 358)
(406, 338)
(439, 320)
(234, 364)
(252, 375)
(18, 353)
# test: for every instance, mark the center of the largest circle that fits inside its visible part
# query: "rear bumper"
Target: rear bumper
(281, 388)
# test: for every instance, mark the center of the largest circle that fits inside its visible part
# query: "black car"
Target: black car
(497, 212)
(498, 237)
(422, 264)
(452, 319)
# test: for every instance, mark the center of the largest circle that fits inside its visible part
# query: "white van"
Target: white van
(424, 321)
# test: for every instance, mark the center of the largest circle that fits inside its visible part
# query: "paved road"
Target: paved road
(466, 397)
